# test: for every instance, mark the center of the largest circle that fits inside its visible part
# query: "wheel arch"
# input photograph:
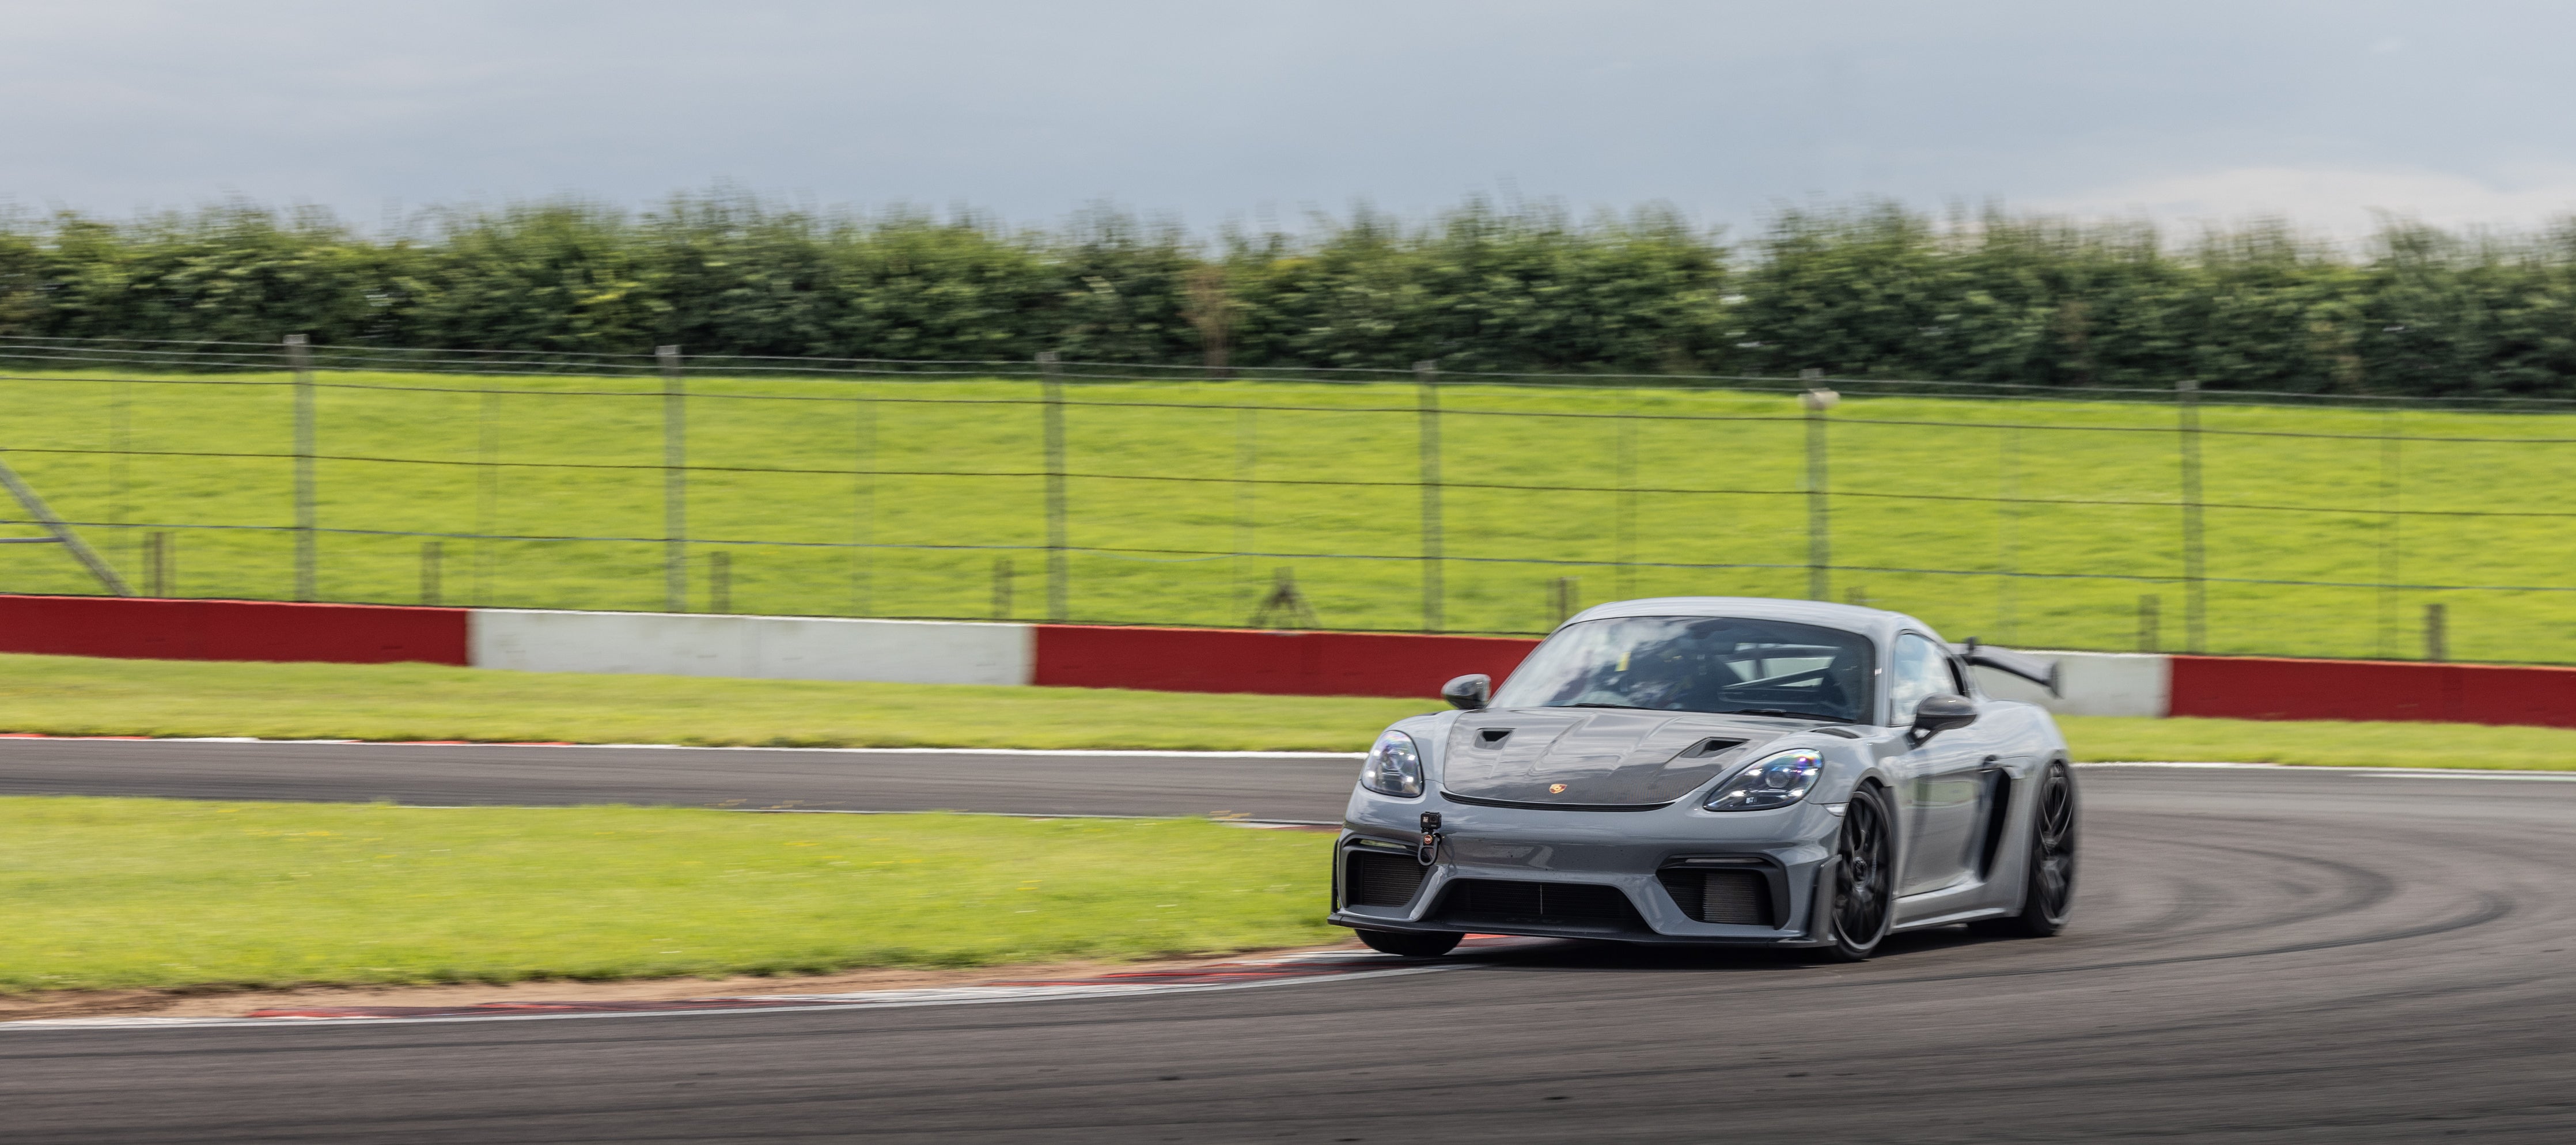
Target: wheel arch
(1894, 818)
(2028, 827)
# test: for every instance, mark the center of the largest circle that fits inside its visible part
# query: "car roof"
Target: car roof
(1876, 623)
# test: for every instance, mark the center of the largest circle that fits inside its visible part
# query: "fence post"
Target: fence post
(1247, 456)
(2150, 623)
(720, 582)
(2195, 601)
(675, 482)
(1058, 589)
(160, 564)
(1426, 378)
(299, 357)
(863, 525)
(487, 496)
(120, 472)
(2007, 603)
(431, 554)
(1624, 527)
(2390, 494)
(1820, 533)
(1562, 594)
(1002, 583)
(2437, 635)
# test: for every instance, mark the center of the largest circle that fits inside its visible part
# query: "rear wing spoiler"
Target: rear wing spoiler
(2037, 669)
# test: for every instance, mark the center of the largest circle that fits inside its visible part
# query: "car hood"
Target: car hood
(1577, 758)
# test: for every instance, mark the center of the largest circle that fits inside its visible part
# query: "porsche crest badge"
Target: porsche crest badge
(1556, 789)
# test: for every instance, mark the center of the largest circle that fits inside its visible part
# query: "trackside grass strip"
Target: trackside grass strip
(68, 695)
(111, 893)
(2327, 743)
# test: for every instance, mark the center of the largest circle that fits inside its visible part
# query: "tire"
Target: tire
(2048, 880)
(1412, 943)
(1864, 883)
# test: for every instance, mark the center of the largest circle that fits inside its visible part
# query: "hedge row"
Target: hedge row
(1865, 291)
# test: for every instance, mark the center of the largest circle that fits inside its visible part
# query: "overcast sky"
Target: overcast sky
(2454, 111)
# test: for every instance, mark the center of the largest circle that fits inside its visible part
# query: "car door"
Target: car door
(1944, 777)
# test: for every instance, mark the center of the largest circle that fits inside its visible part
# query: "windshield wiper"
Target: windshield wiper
(1783, 712)
(1622, 707)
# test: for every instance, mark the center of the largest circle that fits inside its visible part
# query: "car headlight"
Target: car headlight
(1394, 766)
(1775, 781)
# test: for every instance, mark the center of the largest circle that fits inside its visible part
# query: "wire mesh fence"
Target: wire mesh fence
(2176, 519)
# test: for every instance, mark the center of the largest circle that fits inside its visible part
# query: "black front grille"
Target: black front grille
(1497, 902)
(1738, 896)
(1379, 878)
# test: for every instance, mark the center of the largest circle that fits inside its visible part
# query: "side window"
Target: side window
(1918, 670)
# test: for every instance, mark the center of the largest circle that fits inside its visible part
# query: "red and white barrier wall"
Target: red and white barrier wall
(231, 630)
(770, 647)
(1171, 659)
(2094, 684)
(761, 647)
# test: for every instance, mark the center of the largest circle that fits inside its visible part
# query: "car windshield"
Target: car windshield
(1697, 664)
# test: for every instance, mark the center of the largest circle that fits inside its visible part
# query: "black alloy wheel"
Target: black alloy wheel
(1412, 943)
(1864, 878)
(2048, 888)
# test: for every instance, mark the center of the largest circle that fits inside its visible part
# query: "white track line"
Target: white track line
(865, 1000)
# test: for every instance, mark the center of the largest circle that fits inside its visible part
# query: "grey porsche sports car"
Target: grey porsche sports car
(1717, 770)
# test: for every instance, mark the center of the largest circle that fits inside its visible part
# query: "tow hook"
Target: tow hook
(1429, 852)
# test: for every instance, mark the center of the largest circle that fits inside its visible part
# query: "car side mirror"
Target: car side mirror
(1471, 691)
(1937, 714)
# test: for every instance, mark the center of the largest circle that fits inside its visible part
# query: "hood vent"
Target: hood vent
(1492, 737)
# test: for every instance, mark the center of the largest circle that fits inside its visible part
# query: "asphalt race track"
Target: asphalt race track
(2260, 955)
(1293, 788)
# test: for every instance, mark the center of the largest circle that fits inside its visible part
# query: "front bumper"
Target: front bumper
(1626, 852)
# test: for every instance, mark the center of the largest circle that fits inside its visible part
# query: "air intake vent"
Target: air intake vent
(1379, 878)
(1573, 906)
(1737, 897)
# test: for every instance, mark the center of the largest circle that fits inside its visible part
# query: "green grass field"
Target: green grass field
(104, 893)
(1154, 510)
(64, 695)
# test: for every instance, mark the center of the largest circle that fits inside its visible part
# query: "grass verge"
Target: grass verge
(121, 893)
(69, 695)
(2325, 743)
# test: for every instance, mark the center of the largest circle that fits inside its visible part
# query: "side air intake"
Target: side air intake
(1379, 878)
(1733, 896)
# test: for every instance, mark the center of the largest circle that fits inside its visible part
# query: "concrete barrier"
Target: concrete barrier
(757, 647)
(2093, 684)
